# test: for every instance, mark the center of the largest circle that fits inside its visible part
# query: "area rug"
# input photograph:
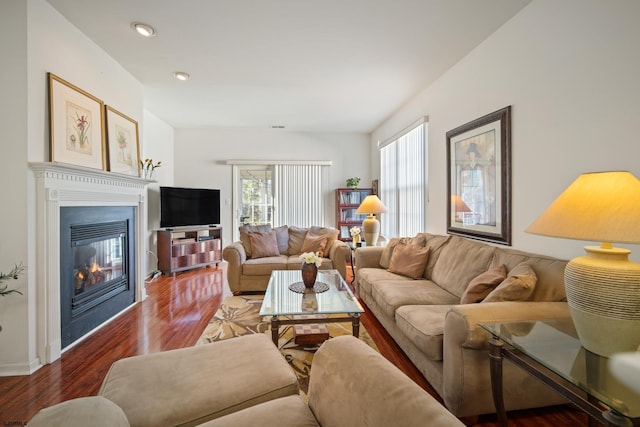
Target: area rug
(240, 315)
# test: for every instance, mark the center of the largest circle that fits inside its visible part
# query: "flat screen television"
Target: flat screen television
(189, 206)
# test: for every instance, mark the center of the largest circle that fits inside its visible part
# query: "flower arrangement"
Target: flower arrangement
(13, 274)
(148, 167)
(354, 231)
(353, 182)
(312, 258)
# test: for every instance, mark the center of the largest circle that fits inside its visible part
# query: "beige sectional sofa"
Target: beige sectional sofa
(249, 270)
(349, 385)
(440, 335)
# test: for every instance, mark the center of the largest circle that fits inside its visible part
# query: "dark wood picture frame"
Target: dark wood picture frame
(479, 178)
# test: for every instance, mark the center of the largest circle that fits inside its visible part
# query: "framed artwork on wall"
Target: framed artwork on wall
(479, 178)
(76, 125)
(123, 145)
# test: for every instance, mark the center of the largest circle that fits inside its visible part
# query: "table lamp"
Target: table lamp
(372, 206)
(459, 207)
(603, 286)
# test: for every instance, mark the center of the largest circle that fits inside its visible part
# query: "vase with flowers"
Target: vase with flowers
(355, 235)
(310, 264)
(148, 167)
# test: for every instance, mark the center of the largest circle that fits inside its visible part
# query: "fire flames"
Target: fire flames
(88, 275)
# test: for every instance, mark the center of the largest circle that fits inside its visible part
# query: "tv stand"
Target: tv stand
(186, 248)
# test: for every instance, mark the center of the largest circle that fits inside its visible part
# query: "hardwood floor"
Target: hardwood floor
(174, 315)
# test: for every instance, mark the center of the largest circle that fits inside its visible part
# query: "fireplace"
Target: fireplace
(96, 266)
(59, 187)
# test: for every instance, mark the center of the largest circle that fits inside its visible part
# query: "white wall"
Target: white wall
(36, 39)
(200, 159)
(569, 69)
(158, 146)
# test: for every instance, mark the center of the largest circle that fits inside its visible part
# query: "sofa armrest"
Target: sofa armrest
(351, 384)
(235, 256)
(462, 328)
(368, 256)
(338, 255)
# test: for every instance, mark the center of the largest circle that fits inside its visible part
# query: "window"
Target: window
(403, 183)
(279, 193)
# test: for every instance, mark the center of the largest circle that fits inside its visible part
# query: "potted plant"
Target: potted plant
(353, 182)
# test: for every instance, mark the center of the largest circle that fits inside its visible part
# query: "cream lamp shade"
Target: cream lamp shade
(603, 287)
(371, 205)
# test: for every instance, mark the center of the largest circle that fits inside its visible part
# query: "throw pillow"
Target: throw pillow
(385, 258)
(518, 286)
(330, 233)
(409, 260)
(282, 236)
(264, 244)
(481, 285)
(314, 243)
(244, 235)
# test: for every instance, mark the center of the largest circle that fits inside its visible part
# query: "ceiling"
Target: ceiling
(314, 66)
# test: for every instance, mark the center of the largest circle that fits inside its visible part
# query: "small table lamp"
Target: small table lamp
(459, 207)
(603, 287)
(371, 205)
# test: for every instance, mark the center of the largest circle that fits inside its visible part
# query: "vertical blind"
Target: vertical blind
(298, 195)
(403, 183)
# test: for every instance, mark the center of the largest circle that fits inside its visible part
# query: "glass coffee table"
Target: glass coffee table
(551, 351)
(287, 307)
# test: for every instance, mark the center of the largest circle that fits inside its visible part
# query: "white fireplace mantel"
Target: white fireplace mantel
(59, 185)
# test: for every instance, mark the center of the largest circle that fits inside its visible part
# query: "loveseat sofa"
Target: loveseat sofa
(262, 249)
(431, 292)
(342, 391)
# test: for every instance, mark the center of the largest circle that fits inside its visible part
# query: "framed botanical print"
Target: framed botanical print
(479, 178)
(76, 125)
(123, 145)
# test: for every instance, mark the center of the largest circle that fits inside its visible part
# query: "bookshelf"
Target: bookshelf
(347, 201)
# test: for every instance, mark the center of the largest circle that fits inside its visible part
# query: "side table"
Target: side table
(551, 351)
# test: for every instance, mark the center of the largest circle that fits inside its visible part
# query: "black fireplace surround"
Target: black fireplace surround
(97, 266)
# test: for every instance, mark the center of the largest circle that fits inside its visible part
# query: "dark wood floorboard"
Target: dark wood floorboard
(174, 315)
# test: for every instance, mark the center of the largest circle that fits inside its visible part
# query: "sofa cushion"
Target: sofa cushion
(436, 243)
(314, 243)
(192, 385)
(518, 286)
(387, 252)
(85, 411)
(294, 262)
(290, 411)
(424, 326)
(481, 285)
(460, 261)
(296, 239)
(263, 244)
(391, 294)
(263, 266)
(409, 260)
(368, 276)
(244, 235)
(282, 236)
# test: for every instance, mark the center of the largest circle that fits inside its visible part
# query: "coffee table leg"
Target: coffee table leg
(495, 365)
(355, 324)
(275, 329)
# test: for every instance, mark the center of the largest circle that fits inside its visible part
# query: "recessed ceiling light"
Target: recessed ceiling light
(181, 75)
(143, 29)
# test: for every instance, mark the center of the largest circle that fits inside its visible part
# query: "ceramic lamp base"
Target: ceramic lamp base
(603, 293)
(371, 230)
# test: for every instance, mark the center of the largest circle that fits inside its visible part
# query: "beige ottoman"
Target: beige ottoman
(189, 386)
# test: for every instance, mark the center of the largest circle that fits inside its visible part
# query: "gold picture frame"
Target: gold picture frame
(76, 125)
(123, 145)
